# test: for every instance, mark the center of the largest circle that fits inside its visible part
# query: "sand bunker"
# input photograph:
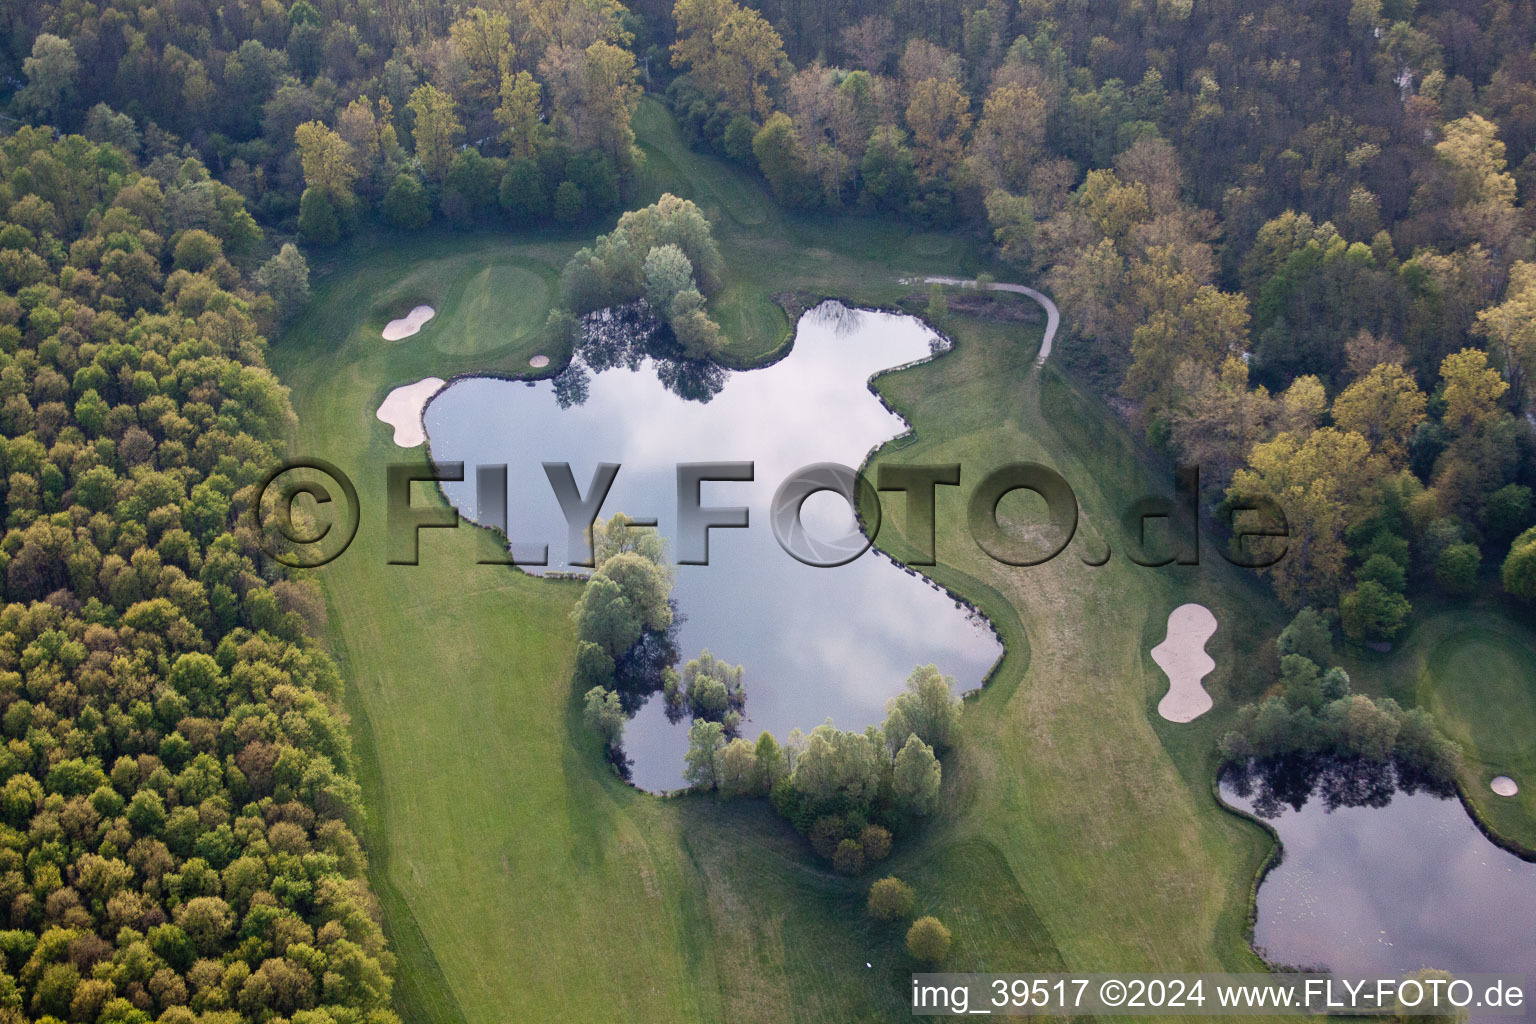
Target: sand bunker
(408, 324)
(1504, 786)
(402, 408)
(539, 362)
(1182, 656)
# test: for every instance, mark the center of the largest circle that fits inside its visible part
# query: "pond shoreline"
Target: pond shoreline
(939, 344)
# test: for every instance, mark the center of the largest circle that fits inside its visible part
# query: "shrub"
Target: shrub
(891, 899)
(876, 841)
(848, 859)
(928, 940)
(826, 834)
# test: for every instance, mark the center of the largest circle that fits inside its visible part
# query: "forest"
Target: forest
(1290, 241)
(1290, 244)
(178, 801)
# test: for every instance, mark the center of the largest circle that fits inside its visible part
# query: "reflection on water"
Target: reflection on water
(1381, 877)
(815, 642)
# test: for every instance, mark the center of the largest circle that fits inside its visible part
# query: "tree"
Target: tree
(1206, 330)
(876, 842)
(519, 114)
(469, 193)
(206, 920)
(1385, 406)
(730, 50)
(318, 222)
(917, 778)
(539, 25)
(938, 114)
(1012, 219)
(51, 72)
(405, 204)
(371, 138)
(1510, 328)
(837, 765)
(1472, 150)
(196, 250)
(103, 124)
(928, 709)
(891, 899)
(1471, 390)
(521, 193)
(667, 272)
(1506, 513)
(593, 92)
(1308, 636)
(618, 534)
(938, 305)
(1519, 572)
(848, 858)
(286, 278)
(713, 689)
(1010, 136)
(928, 940)
(569, 203)
(604, 715)
(1373, 612)
(1322, 482)
(738, 769)
(436, 130)
(605, 618)
(770, 762)
(706, 740)
(1457, 568)
(327, 161)
(645, 585)
(782, 160)
(483, 41)
(887, 169)
(870, 41)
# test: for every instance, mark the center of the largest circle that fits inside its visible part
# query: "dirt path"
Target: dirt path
(1052, 314)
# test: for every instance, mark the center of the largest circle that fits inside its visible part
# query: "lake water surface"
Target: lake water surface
(1399, 882)
(816, 643)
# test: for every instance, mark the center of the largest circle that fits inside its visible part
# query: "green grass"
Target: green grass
(1472, 665)
(1101, 811)
(515, 871)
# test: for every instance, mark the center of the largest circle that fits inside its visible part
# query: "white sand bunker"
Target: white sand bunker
(402, 408)
(539, 362)
(1182, 656)
(408, 324)
(1504, 786)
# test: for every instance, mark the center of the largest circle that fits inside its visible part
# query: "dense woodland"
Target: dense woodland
(177, 805)
(1289, 240)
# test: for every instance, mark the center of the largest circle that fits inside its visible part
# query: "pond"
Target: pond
(815, 642)
(1379, 878)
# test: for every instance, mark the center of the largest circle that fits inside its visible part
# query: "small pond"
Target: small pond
(816, 642)
(1379, 878)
